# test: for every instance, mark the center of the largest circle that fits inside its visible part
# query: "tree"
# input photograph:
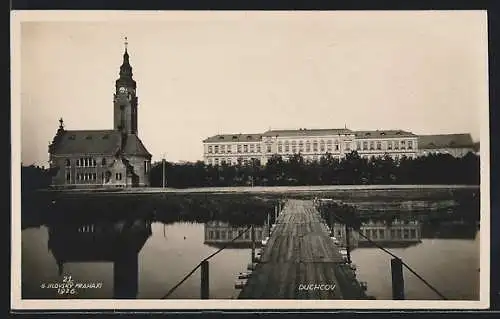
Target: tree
(274, 170)
(296, 168)
(352, 168)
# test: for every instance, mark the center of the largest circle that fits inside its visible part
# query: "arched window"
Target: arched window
(103, 162)
(107, 177)
(68, 163)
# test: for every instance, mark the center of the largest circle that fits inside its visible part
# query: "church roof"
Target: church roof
(445, 141)
(97, 142)
(87, 142)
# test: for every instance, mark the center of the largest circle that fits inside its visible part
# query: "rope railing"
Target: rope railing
(205, 259)
(394, 256)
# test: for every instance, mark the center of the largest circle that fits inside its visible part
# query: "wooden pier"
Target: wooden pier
(299, 257)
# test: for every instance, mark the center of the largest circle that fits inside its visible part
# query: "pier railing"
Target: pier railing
(337, 213)
(204, 263)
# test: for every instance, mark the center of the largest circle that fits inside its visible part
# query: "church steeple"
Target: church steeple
(125, 98)
(126, 69)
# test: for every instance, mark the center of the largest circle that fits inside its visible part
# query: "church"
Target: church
(96, 158)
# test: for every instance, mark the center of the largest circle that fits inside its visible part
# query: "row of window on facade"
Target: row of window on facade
(90, 176)
(388, 145)
(228, 161)
(315, 146)
(245, 148)
(85, 162)
(293, 146)
(231, 234)
(395, 234)
(394, 156)
(91, 162)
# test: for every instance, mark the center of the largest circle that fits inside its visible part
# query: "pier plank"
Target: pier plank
(299, 252)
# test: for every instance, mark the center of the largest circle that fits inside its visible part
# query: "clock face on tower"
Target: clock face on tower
(122, 89)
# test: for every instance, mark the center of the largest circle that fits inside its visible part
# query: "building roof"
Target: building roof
(97, 142)
(307, 132)
(226, 138)
(134, 146)
(445, 141)
(476, 146)
(383, 134)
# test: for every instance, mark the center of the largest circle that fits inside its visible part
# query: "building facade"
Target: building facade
(397, 233)
(457, 145)
(112, 157)
(232, 149)
(217, 232)
(395, 143)
(310, 143)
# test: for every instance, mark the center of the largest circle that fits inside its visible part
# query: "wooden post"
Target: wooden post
(268, 224)
(204, 280)
(398, 292)
(330, 223)
(252, 235)
(275, 214)
(163, 173)
(348, 243)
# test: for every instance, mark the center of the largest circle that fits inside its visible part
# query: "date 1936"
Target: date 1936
(66, 287)
(69, 287)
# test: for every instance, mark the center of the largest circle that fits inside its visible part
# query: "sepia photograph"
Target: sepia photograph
(250, 160)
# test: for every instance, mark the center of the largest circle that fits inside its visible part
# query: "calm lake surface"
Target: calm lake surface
(451, 265)
(167, 252)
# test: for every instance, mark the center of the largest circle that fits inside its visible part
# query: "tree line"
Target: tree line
(350, 170)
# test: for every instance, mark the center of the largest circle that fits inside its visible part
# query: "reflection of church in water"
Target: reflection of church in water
(117, 242)
(217, 232)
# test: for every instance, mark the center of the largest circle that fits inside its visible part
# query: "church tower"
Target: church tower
(125, 99)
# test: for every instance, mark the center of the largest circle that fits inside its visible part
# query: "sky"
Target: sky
(205, 73)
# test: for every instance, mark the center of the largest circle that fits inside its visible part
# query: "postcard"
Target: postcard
(250, 160)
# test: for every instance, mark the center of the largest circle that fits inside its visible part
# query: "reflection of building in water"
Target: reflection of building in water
(217, 232)
(399, 232)
(116, 242)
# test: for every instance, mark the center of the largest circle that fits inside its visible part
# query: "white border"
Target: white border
(18, 304)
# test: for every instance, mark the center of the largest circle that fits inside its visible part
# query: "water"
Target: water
(156, 256)
(450, 265)
(166, 257)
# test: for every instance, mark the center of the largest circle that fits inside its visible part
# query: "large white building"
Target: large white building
(396, 143)
(310, 143)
